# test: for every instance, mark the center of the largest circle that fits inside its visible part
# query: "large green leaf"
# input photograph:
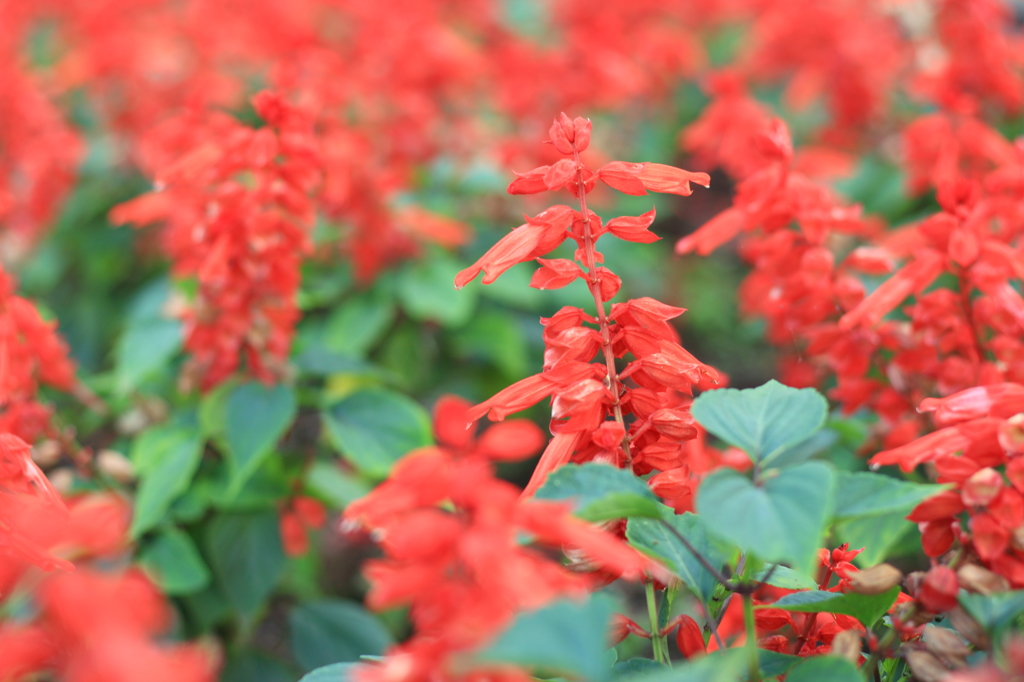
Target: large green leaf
(255, 666)
(782, 520)
(822, 668)
(869, 494)
(426, 292)
(256, 416)
(878, 535)
(567, 638)
(358, 324)
(996, 610)
(246, 556)
(335, 631)
(867, 608)
(786, 578)
(174, 563)
(763, 422)
(652, 537)
(601, 492)
(165, 458)
(150, 338)
(373, 428)
(727, 666)
(332, 484)
(336, 672)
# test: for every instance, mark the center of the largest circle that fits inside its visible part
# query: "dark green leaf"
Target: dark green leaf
(246, 556)
(427, 292)
(867, 608)
(868, 494)
(876, 534)
(165, 458)
(496, 338)
(145, 347)
(725, 666)
(338, 672)
(358, 324)
(334, 485)
(822, 668)
(601, 492)
(773, 663)
(174, 563)
(373, 428)
(996, 610)
(256, 416)
(334, 631)
(566, 637)
(652, 537)
(636, 666)
(763, 421)
(781, 521)
(253, 666)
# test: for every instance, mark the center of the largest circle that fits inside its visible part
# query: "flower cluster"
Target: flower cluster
(453, 539)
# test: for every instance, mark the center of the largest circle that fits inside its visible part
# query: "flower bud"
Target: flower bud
(690, 638)
(581, 129)
(945, 644)
(968, 627)
(1011, 435)
(876, 580)
(115, 465)
(975, 578)
(847, 644)
(925, 666)
(938, 591)
(982, 487)
(47, 453)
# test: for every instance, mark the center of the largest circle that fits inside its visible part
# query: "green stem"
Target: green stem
(658, 643)
(751, 626)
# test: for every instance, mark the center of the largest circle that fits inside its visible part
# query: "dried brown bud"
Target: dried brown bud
(847, 644)
(975, 578)
(925, 666)
(947, 645)
(968, 628)
(1017, 538)
(876, 580)
(115, 465)
(47, 453)
(62, 480)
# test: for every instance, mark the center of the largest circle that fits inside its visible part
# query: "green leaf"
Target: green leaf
(149, 340)
(337, 672)
(821, 668)
(763, 422)
(996, 610)
(786, 578)
(601, 492)
(781, 521)
(652, 537)
(356, 326)
(255, 666)
(567, 638)
(333, 485)
(867, 608)
(246, 556)
(256, 416)
(878, 535)
(426, 291)
(725, 666)
(868, 494)
(497, 338)
(636, 666)
(142, 349)
(165, 458)
(333, 631)
(174, 563)
(373, 428)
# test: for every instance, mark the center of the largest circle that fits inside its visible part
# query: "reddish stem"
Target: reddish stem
(594, 284)
(812, 617)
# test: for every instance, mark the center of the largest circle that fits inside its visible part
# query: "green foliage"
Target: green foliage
(246, 556)
(426, 293)
(786, 578)
(994, 611)
(781, 520)
(337, 672)
(255, 417)
(166, 458)
(867, 608)
(763, 422)
(332, 631)
(174, 563)
(818, 669)
(652, 537)
(372, 428)
(601, 492)
(567, 638)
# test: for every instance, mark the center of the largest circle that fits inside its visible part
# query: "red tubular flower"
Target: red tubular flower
(690, 638)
